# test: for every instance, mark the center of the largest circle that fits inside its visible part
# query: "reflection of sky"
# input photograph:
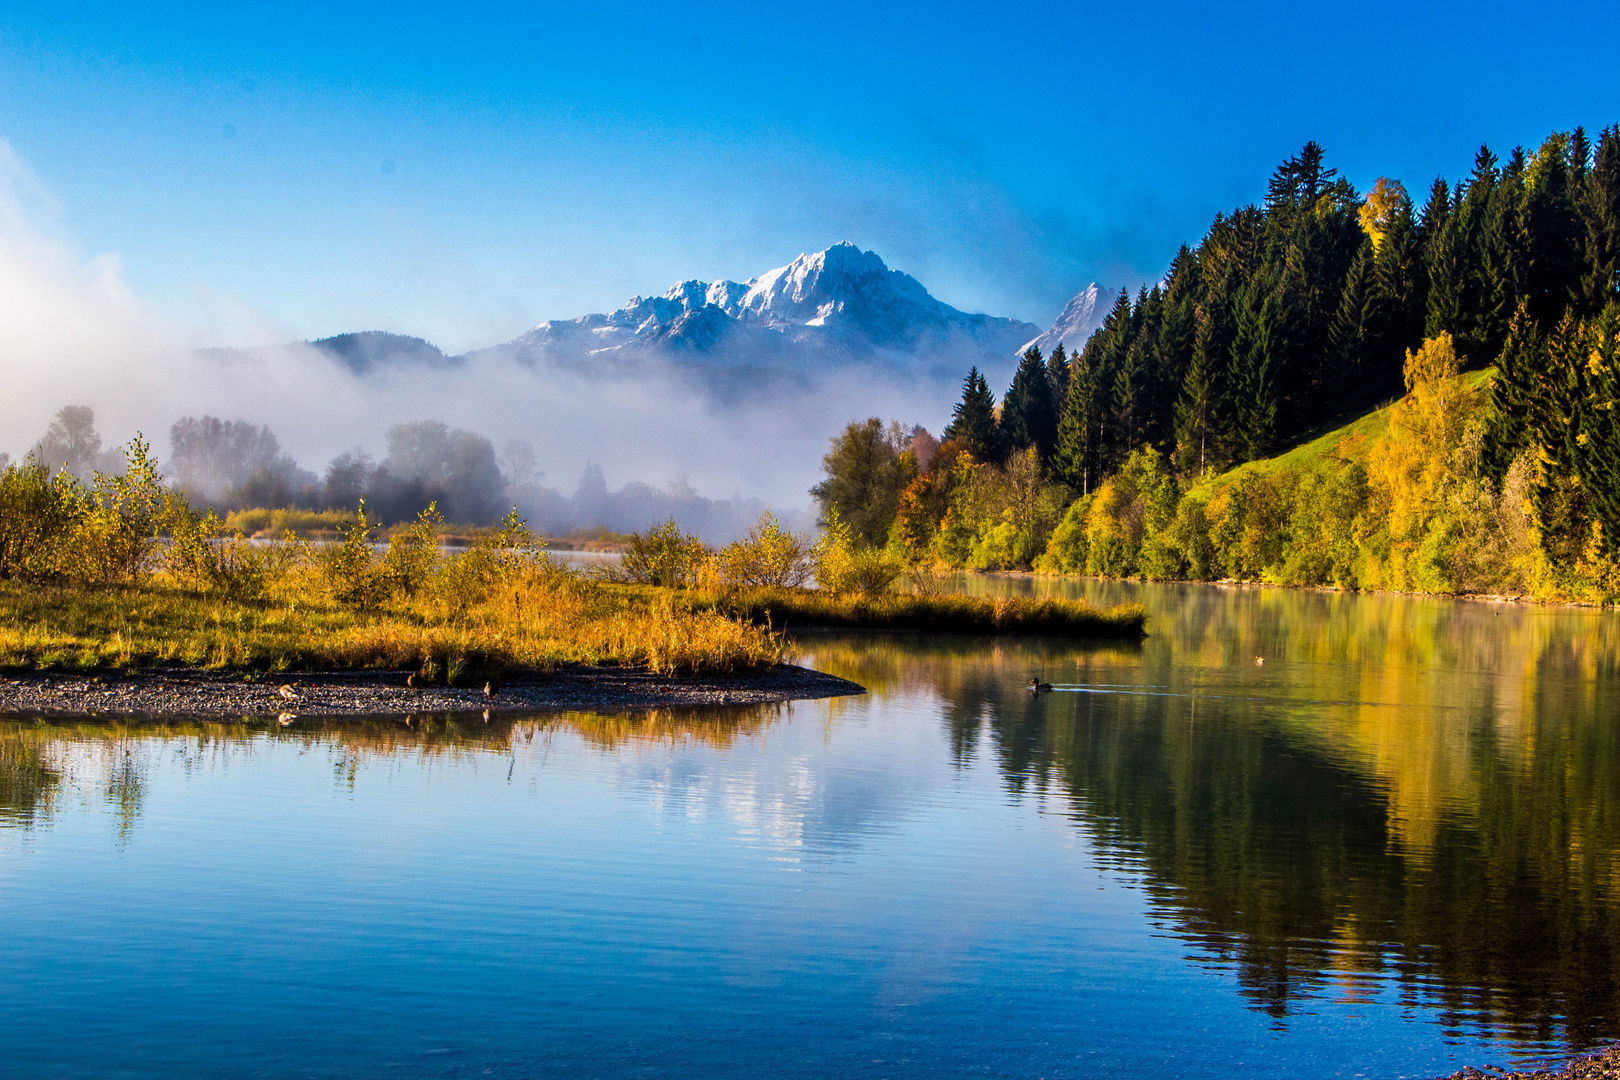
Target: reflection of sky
(832, 893)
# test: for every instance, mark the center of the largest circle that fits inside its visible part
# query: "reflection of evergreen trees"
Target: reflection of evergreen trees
(1263, 839)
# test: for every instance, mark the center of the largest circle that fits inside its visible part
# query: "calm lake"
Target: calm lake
(1390, 849)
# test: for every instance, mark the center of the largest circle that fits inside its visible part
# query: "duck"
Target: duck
(1038, 687)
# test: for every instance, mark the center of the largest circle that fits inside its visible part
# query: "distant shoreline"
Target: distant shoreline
(1234, 583)
(117, 693)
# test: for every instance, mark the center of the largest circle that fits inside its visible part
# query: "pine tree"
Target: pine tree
(1348, 383)
(1446, 249)
(973, 423)
(1600, 451)
(1501, 259)
(1199, 406)
(1057, 373)
(1552, 232)
(1076, 459)
(1255, 400)
(1599, 204)
(1393, 319)
(1513, 391)
(1028, 413)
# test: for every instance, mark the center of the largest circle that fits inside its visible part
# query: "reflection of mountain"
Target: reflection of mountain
(1288, 832)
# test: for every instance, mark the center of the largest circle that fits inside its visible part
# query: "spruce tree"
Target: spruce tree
(1347, 381)
(1255, 400)
(1028, 413)
(1076, 460)
(1513, 391)
(1199, 405)
(973, 423)
(1599, 204)
(1501, 246)
(1551, 231)
(1057, 373)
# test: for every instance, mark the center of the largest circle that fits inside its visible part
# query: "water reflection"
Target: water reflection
(1408, 791)
(1412, 804)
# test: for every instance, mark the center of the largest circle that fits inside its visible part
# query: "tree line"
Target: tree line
(1288, 317)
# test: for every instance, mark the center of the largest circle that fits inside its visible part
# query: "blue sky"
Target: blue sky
(463, 171)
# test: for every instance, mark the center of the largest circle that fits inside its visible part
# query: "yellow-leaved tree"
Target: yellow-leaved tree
(1410, 468)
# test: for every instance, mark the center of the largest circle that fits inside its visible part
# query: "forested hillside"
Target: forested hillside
(1491, 308)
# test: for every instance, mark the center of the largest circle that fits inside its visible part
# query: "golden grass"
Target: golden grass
(537, 622)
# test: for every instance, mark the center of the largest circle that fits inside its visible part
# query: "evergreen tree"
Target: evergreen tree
(1199, 406)
(1393, 320)
(1551, 229)
(1255, 400)
(1599, 204)
(973, 423)
(1028, 413)
(1079, 428)
(1348, 383)
(1513, 392)
(1057, 373)
(1501, 259)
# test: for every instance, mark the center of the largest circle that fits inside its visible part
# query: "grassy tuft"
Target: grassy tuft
(913, 611)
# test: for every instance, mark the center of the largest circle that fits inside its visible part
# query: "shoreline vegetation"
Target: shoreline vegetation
(1332, 388)
(123, 573)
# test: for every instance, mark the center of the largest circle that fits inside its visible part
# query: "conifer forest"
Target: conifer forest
(1333, 387)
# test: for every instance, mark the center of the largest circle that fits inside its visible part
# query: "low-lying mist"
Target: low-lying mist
(658, 439)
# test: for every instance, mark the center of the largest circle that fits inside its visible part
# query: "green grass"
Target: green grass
(1353, 438)
(953, 612)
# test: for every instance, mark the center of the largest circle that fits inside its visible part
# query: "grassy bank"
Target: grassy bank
(538, 620)
(780, 607)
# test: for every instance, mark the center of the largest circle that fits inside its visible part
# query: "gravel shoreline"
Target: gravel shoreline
(1603, 1066)
(194, 692)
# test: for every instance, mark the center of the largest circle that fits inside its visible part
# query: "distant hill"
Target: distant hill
(367, 349)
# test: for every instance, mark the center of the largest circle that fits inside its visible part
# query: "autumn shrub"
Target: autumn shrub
(842, 566)
(662, 555)
(767, 555)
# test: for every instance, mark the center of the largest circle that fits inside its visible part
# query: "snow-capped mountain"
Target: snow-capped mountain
(834, 306)
(1079, 318)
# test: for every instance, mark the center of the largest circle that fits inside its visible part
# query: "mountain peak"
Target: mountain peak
(1079, 318)
(839, 304)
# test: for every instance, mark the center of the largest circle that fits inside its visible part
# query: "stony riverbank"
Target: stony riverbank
(1604, 1066)
(194, 692)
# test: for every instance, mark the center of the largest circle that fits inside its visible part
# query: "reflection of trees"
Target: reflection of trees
(110, 760)
(1445, 816)
(29, 786)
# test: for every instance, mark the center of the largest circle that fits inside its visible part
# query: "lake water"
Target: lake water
(1390, 849)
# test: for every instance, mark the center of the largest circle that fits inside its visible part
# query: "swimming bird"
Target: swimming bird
(287, 692)
(1038, 687)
